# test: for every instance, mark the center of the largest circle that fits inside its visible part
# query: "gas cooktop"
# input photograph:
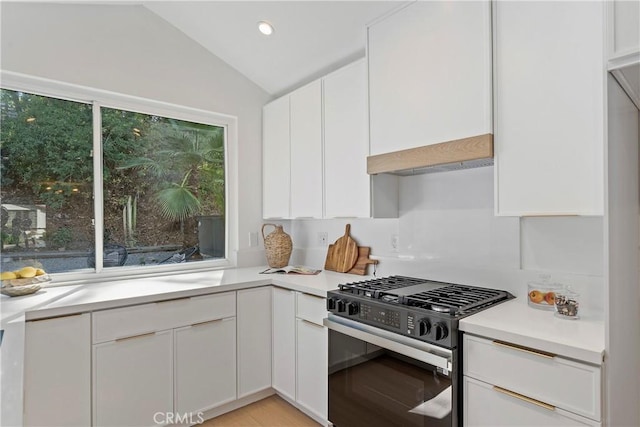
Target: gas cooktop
(423, 309)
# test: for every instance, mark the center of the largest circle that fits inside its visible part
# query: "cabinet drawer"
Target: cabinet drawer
(311, 308)
(486, 405)
(124, 322)
(566, 384)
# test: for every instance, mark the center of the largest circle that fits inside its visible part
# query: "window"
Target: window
(157, 198)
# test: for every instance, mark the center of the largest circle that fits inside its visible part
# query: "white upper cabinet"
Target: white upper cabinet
(275, 154)
(623, 45)
(346, 143)
(292, 155)
(549, 106)
(430, 75)
(624, 28)
(306, 151)
(315, 148)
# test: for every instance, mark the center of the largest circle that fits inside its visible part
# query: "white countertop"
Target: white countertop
(515, 322)
(14, 307)
(100, 296)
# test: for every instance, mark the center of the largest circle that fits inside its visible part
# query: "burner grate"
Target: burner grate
(447, 298)
(375, 288)
(455, 299)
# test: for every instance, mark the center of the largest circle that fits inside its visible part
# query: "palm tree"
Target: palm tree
(187, 162)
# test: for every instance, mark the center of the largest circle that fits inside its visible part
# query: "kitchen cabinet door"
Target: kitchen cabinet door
(306, 151)
(549, 107)
(623, 45)
(430, 75)
(624, 29)
(57, 372)
(312, 371)
(284, 342)
(254, 340)
(276, 167)
(133, 380)
(346, 142)
(487, 405)
(205, 365)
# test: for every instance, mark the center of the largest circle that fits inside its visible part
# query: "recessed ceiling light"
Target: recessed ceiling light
(265, 28)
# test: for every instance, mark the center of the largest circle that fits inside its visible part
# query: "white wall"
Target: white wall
(128, 49)
(448, 231)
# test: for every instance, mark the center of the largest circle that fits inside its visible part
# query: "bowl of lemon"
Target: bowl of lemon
(24, 281)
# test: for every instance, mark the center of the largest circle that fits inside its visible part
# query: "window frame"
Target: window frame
(99, 98)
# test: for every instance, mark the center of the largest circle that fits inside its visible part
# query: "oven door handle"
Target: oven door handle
(410, 347)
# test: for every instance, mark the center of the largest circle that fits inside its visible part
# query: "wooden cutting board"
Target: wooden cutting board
(362, 261)
(328, 262)
(343, 254)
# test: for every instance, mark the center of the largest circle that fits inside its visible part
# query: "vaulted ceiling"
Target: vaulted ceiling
(310, 39)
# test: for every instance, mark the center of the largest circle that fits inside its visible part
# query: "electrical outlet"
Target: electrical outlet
(253, 239)
(395, 242)
(323, 236)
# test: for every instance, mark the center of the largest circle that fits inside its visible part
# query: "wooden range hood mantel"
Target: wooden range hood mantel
(475, 151)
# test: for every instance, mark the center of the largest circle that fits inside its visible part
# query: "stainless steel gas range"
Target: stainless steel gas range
(394, 350)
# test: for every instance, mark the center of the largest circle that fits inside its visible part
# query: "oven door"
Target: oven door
(379, 378)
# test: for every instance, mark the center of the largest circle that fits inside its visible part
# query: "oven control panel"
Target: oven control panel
(425, 327)
(362, 311)
(381, 316)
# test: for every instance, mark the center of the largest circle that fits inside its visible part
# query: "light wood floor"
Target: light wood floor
(270, 412)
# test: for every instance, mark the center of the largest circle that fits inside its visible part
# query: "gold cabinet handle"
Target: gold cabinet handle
(64, 316)
(524, 349)
(310, 322)
(166, 301)
(524, 398)
(135, 336)
(206, 322)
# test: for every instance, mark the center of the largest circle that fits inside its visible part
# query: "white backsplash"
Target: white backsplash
(449, 217)
(447, 231)
(570, 244)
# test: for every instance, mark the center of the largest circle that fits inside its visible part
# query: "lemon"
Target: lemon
(27, 272)
(8, 275)
(40, 272)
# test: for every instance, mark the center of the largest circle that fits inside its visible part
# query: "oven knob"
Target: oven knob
(340, 306)
(352, 308)
(331, 303)
(439, 331)
(424, 327)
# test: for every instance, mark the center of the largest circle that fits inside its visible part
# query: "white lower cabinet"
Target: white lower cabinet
(311, 368)
(283, 377)
(490, 406)
(205, 365)
(133, 380)
(155, 362)
(254, 340)
(300, 346)
(57, 371)
(151, 364)
(510, 385)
